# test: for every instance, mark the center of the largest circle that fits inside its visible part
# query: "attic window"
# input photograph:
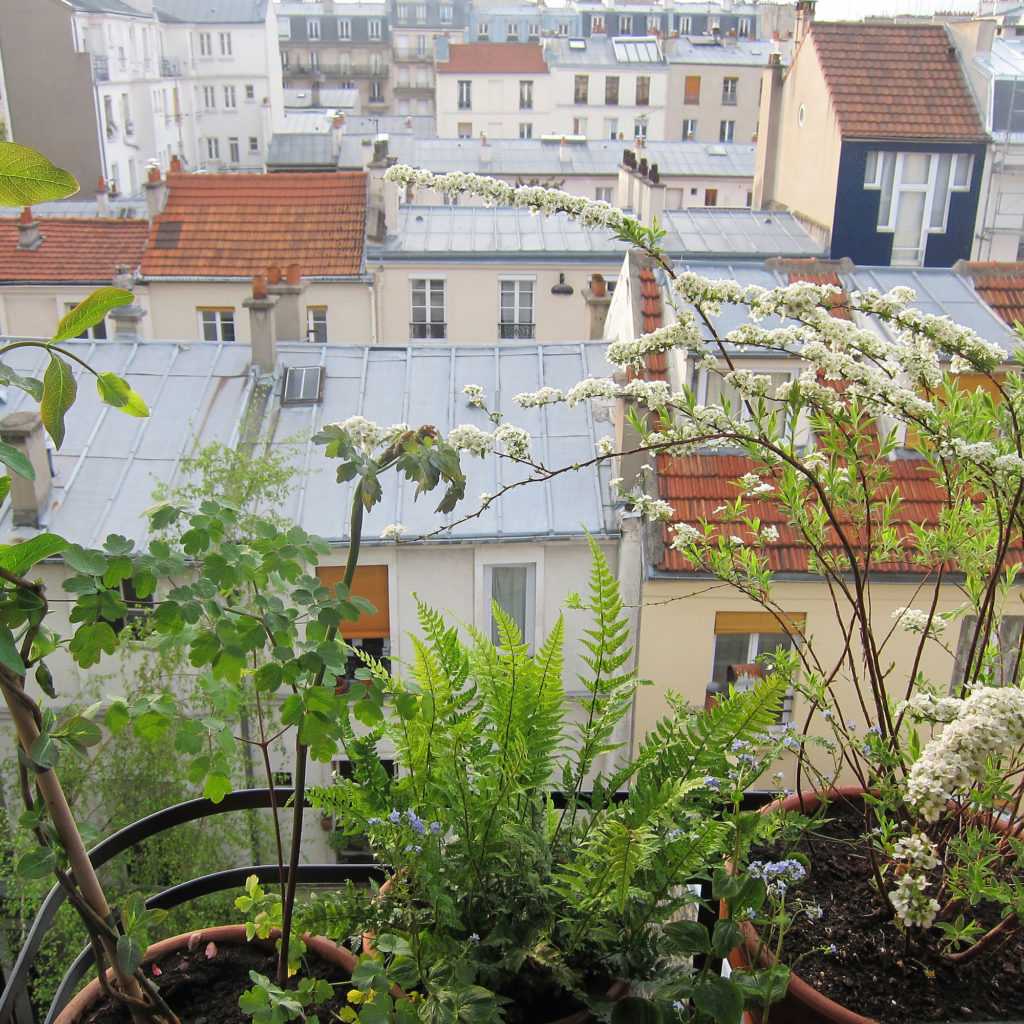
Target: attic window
(303, 385)
(168, 234)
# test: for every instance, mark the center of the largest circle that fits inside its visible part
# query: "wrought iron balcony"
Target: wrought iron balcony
(422, 332)
(517, 332)
(100, 68)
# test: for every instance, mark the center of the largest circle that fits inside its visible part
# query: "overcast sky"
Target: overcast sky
(831, 10)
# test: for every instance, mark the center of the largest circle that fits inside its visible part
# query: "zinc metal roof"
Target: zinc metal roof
(537, 157)
(213, 12)
(598, 52)
(123, 206)
(500, 232)
(197, 393)
(301, 149)
(686, 50)
(1005, 60)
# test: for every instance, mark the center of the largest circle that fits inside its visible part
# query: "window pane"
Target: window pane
(938, 213)
(906, 245)
(209, 326)
(871, 169)
(731, 649)
(964, 163)
(915, 168)
(769, 643)
(227, 326)
(888, 173)
(509, 585)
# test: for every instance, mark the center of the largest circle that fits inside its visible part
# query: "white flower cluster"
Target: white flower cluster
(364, 433)
(605, 446)
(514, 440)
(684, 535)
(590, 388)
(684, 334)
(913, 906)
(769, 534)
(468, 438)
(917, 851)
(751, 485)
(393, 531)
(542, 396)
(915, 620)
(989, 723)
(475, 394)
(650, 508)
(546, 201)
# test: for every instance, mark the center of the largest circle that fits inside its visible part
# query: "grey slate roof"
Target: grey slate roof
(110, 463)
(483, 233)
(599, 51)
(214, 12)
(302, 150)
(737, 52)
(107, 7)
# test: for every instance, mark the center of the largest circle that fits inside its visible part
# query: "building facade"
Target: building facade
(417, 27)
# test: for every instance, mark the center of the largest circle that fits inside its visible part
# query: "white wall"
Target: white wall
(597, 113)
(710, 112)
(33, 311)
(495, 105)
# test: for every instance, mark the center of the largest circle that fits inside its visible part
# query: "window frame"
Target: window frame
(727, 131)
(464, 93)
(692, 133)
(581, 96)
(428, 322)
(314, 321)
(225, 44)
(220, 314)
(691, 98)
(611, 90)
(234, 149)
(517, 281)
(730, 91)
(642, 94)
(300, 398)
(344, 30)
(513, 555)
(254, 143)
(374, 30)
(526, 94)
(313, 33)
(753, 642)
(526, 129)
(230, 98)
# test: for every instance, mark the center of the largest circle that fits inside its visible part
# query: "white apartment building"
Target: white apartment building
(200, 79)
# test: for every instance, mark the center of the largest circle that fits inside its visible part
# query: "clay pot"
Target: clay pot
(598, 285)
(226, 935)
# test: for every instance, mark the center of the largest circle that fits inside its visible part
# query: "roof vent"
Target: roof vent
(303, 385)
(717, 151)
(577, 44)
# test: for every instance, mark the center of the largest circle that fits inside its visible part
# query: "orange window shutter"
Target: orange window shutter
(727, 623)
(692, 89)
(371, 583)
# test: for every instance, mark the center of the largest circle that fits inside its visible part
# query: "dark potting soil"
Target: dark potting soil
(872, 972)
(204, 990)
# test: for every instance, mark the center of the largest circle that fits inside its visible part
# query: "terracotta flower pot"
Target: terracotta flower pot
(598, 285)
(225, 935)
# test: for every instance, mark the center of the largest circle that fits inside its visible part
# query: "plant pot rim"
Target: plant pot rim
(229, 934)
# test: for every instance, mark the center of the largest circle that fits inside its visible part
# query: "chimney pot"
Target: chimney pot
(152, 175)
(274, 275)
(294, 273)
(175, 165)
(156, 191)
(26, 215)
(259, 286)
(29, 498)
(29, 236)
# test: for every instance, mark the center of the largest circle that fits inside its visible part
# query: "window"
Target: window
(643, 90)
(404, 13)
(230, 101)
(209, 97)
(743, 28)
(376, 91)
(465, 95)
(533, 32)
(447, 14)
(581, 88)
(250, 91)
(743, 639)
(212, 148)
(640, 128)
(428, 309)
(483, 31)
(689, 128)
(515, 298)
(750, 199)
(217, 324)
(603, 195)
(234, 151)
(611, 90)
(525, 130)
(302, 385)
(727, 131)
(625, 24)
(314, 59)
(96, 333)
(205, 44)
(511, 30)
(579, 126)
(284, 58)
(464, 130)
(282, 780)
(254, 144)
(421, 46)
(915, 191)
(344, 28)
(597, 24)
(284, 27)
(313, 28)
(653, 24)
(114, 179)
(611, 127)
(526, 95)
(137, 608)
(513, 589)
(711, 197)
(691, 90)
(421, 13)
(685, 24)
(225, 44)
(373, 28)
(730, 86)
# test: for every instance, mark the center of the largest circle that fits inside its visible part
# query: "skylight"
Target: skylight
(303, 385)
(641, 50)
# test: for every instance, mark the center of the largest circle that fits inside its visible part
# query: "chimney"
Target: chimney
(769, 119)
(380, 148)
(156, 192)
(102, 198)
(804, 18)
(650, 197)
(28, 231)
(126, 319)
(598, 299)
(337, 133)
(485, 149)
(262, 326)
(564, 156)
(289, 322)
(175, 165)
(382, 196)
(29, 498)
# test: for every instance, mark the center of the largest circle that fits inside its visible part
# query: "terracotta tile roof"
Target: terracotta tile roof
(839, 302)
(494, 59)
(79, 250)
(652, 311)
(1001, 285)
(892, 81)
(698, 484)
(237, 225)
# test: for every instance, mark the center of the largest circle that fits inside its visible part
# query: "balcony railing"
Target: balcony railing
(100, 68)
(170, 67)
(421, 332)
(517, 332)
(407, 88)
(341, 71)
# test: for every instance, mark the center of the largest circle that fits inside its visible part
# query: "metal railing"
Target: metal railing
(522, 332)
(170, 67)
(132, 835)
(100, 68)
(420, 332)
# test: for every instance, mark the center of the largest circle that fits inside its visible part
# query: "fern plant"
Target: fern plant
(524, 881)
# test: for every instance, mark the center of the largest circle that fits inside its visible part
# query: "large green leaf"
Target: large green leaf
(16, 461)
(59, 391)
(27, 177)
(91, 310)
(19, 558)
(116, 391)
(9, 654)
(36, 863)
(34, 387)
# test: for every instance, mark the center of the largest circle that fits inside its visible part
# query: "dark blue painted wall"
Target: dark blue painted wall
(854, 227)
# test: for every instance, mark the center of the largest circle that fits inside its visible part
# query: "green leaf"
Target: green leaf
(9, 656)
(19, 558)
(116, 391)
(687, 937)
(44, 677)
(59, 391)
(44, 752)
(634, 1010)
(16, 461)
(726, 937)
(719, 998)
(92, 563)
(117, 716)
(216, 787)
(37, 863)
(81, 732)
(129, 954)
(388, 943)
(27, 177)
(90, 311)
(30, 385)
